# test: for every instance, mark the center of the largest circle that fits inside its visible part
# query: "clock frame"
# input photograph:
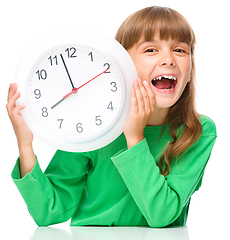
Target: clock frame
(76, 74)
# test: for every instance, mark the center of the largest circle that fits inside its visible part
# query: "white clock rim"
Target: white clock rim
(95, 135)
(101, 42)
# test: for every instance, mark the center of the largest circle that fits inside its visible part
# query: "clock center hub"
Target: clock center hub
(74, 90)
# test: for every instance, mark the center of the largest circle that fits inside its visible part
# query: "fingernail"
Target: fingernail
(139, 80)
(136, 82)
(145, 82)
(11, 85)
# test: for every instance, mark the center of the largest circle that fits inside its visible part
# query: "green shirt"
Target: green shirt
(116, 186)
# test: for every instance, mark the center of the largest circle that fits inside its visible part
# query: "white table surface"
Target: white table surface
(25, 232)
(110, 233)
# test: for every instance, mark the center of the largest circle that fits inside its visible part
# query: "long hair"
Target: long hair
(185, 126)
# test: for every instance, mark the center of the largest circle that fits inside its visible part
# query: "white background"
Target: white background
(22, 22)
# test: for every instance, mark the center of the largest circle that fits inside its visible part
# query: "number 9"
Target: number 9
(37, 93)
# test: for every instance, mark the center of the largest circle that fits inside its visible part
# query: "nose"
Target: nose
(167, 60)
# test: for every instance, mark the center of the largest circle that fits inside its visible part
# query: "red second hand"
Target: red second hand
(74, 90)
(92, 79)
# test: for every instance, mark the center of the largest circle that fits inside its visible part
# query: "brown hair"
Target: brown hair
(182, 115)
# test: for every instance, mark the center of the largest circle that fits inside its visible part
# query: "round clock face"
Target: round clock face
(76, 95)
(75, 92)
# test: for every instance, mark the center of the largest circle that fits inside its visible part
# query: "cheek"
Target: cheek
(164, 102)
(144, 68)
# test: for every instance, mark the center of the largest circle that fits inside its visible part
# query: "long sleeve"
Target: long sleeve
(162, 199)
(53, 197)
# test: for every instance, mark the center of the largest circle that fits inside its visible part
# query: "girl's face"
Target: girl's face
(166, 65)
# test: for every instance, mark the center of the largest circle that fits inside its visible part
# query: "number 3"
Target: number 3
(114, 85)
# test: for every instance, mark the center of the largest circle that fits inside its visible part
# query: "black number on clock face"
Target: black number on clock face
(110, 106)
(53, 61)
(91, 55)
(61, 120)
(98, 120)
(44, 112)
(41, 74)
(71, 52)
(79, 127)
(108, 67)
(114, 86)
(37, 93)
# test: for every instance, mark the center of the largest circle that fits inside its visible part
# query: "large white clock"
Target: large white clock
(76, 89)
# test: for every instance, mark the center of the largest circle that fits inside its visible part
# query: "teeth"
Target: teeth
(165, 76)
(168, 77)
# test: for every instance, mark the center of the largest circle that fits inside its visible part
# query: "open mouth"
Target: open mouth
(165, 82)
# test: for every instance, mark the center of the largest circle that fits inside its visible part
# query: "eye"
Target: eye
(180, 50)
(150, 50)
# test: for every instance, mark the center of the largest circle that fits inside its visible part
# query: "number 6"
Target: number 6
(79, 127)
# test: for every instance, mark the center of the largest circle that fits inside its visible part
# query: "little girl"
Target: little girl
(146, 177)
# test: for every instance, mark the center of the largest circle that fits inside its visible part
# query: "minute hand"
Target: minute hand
(66, 70)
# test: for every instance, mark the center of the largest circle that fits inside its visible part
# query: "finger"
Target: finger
(151, 95)
(12, 90)
(134, 104)
(17, 109)
(15, 115)
(138, 93)
(145, 92)
(12, 101)
(145, 96)
(9, 91)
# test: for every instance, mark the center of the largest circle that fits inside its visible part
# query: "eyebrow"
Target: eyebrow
(154, 41)
(146, 41)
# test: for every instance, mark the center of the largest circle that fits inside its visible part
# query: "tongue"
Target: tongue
(163, 84)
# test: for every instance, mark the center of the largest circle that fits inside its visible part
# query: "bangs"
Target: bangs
(150, 21)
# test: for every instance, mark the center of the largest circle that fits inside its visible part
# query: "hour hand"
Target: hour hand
(55, 105)
(74, 90)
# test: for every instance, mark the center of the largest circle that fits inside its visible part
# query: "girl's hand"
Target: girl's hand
(22, 132)
(142, 107)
